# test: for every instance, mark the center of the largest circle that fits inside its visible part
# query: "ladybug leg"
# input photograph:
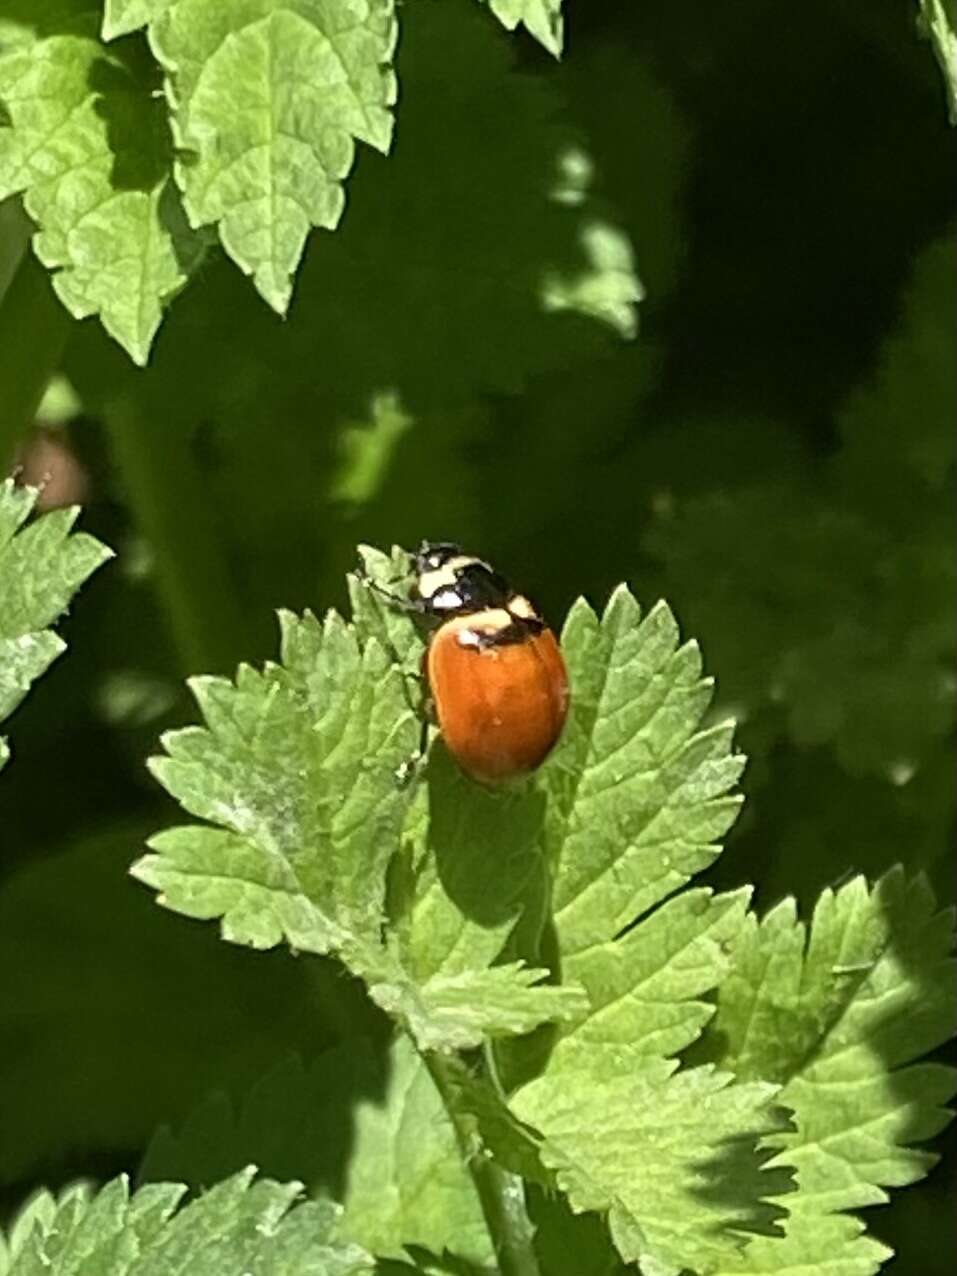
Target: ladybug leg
(398, 601)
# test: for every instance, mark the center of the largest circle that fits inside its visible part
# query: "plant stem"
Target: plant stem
(169, 505)
(33, 332)
(501, 1194)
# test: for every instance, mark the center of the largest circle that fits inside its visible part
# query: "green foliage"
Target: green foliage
(300, 767)
(297, 766)
(254, 133)
(836, 1013)
(239, 1228)
(266, 98)
(41, 567)
(91, 159)
(504, 1030)
(679, 1160)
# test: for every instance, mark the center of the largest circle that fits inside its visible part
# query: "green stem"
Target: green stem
(501, 1194)
(172, 509)
(33, 332)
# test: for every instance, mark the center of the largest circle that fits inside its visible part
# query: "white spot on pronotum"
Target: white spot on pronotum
(520, 606)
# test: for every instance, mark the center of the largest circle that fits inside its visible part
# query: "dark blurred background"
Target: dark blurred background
(773, 453)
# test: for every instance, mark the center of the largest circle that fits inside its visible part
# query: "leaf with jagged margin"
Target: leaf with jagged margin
(822, 1245)
(648, 990)
(541, 18)
(837, 1012)
(88, 146)
(638, 795)
(684, 1192)
(268, 99)
(238, 1228)
(669, 1155)
(295, 773)
(938, 27)
(382, 1145)
(41, 568)
(681, 1186)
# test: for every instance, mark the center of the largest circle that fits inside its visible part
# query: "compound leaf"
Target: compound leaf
(297, 775)
(638, 796)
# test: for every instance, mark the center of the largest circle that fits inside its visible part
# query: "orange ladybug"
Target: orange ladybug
(495, 670)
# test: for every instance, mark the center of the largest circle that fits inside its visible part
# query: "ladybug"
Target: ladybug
(495, 672)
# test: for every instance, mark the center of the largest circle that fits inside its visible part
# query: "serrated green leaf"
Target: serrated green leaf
(837, 1012)
(638, 795)
(41, 567)
(669, 1155)
(268, 98)
(646, 1000)
(542, 18)
(834, 1245)
(450, 928)
(238, 1228)
(296, 774)
(647, 990)
(88, 147)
